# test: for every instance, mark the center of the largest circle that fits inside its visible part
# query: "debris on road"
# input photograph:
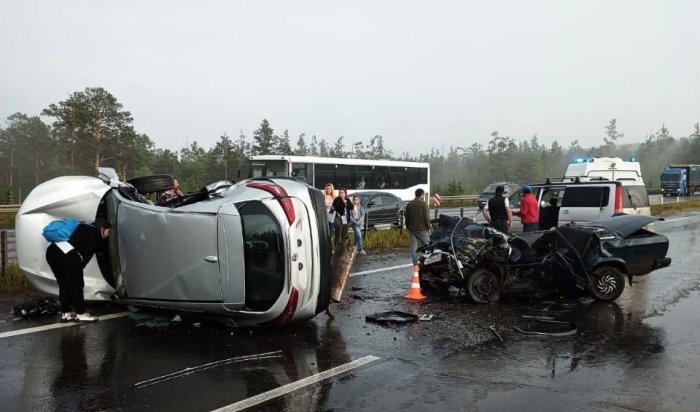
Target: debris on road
(35, 307)
(493, 329)
(426, 317)
(393, 316)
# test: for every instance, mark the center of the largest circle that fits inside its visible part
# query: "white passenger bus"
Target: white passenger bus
(396, 177)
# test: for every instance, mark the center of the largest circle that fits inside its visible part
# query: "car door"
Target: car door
(582, 204)
(374, 210)
(514, 204)
(168, 255)
(391, 206)
(549, 199)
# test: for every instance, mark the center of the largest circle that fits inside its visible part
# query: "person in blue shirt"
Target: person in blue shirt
(357, 221)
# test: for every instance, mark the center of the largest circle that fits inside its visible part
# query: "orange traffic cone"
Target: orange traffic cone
(415, 293)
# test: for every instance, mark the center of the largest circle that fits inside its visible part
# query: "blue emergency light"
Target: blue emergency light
(633, 158)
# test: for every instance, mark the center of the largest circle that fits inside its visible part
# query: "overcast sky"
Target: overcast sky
(422, 74)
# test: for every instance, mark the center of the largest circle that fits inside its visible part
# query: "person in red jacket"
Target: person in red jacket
(529, 210)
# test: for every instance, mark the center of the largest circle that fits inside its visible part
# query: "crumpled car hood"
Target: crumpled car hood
(625, 225)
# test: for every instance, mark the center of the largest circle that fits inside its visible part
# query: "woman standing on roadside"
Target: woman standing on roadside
(329, 197)
(357, 220)
(342, 207)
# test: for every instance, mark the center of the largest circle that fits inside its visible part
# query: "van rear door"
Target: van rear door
(584, 203)
(635, 200)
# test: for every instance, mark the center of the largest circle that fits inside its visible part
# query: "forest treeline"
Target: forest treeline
(91, 129)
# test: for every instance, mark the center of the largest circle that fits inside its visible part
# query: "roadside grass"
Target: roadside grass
(386, 239)
(7, 219)
(670, 206)
(13, 280)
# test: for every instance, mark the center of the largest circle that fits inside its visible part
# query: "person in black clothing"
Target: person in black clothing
(497, 211)
(67, 261)
(342, 205)
(549, 215)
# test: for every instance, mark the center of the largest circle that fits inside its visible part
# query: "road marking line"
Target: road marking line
(57, 326)
(367, 272)
(677, 219)
(290, 387)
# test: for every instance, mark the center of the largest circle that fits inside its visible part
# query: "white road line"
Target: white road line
(367, 272)
(290, 387)
(57, 326)
(677, 219)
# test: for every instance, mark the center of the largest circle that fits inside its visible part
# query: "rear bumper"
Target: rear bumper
(662, 263)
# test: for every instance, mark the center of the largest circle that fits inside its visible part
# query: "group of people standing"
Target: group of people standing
(498, 213)
(344, 214)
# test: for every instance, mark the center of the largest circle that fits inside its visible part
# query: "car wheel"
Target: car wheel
(607, 283)
(150, 184)
(483, 286)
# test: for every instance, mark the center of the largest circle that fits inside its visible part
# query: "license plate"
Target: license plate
(432, 259)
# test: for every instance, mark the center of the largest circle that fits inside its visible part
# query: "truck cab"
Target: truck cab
(680, 180)
(674, 181)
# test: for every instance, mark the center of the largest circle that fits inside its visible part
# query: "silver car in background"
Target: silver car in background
(256, 252)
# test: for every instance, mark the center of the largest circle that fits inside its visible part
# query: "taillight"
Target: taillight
(280, 194)
(288, 311)
(618, 199)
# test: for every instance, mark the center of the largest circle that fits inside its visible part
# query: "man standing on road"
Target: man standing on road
(497, 211)
(418, 223)
(529, 211)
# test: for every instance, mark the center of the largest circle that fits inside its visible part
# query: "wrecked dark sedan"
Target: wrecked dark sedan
(255, 252)
(488, 264)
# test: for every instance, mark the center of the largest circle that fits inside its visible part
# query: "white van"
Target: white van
(610, 168)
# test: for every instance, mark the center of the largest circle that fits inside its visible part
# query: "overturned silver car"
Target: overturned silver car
(256, 252)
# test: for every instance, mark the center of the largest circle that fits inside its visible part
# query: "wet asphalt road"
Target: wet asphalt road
(641, 353)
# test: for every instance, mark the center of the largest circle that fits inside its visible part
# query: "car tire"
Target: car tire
(607, 283)
(150, 184)
(483, 286)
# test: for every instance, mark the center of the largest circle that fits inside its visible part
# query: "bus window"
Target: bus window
(257, 169)
(416, 176)
(325, 173)
(380, 177)
(302, 171)
(397, 177)
(363, 177)
(275, 168)
(343, 177)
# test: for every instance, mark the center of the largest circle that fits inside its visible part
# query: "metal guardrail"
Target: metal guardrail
(8, 250)
(460, 197)
(9, 208)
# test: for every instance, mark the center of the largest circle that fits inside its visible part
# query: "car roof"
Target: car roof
(589, 183)
(371, 193)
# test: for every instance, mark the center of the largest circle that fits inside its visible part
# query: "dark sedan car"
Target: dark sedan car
(626, 237)
(490, 191)
(383, 209)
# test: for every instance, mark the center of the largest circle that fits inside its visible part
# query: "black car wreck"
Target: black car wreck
(588, 261)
